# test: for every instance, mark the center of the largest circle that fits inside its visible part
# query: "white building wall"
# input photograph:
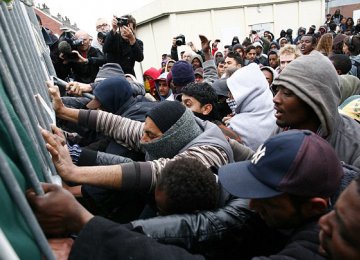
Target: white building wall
(161, 20)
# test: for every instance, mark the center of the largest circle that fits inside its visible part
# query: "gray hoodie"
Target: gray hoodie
(314, 80)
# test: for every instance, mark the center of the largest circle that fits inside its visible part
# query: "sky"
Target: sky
(85, 12)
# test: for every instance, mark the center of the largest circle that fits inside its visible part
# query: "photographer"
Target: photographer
(177, 41)
(121, 45)
(80, 60)
(102, 29)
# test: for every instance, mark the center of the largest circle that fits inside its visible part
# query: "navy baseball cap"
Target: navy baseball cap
(295, 162)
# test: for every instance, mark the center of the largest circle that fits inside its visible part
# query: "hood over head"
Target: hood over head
(314, 80)
(197, 56)
(111, 94)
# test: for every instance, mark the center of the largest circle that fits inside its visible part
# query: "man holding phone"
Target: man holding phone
(121, 45)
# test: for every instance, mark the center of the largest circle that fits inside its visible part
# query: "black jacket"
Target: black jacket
(104, 239)
(86, 73)
(118, 50)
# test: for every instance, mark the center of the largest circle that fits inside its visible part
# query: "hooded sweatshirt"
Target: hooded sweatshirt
(254, 120)
(170, 96)
(313, 79)
(349, 86)
(197, 56)
(150, 85)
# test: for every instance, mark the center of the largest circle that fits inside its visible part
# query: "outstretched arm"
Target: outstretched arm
(106, 176)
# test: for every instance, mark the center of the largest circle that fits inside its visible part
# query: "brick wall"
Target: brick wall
(49, 22)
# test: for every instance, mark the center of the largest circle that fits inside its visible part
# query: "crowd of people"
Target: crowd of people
(248, 152)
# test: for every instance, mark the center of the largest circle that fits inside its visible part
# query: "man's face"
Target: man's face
(258, 50)
(277, 212)
(230, 63)
(198, 78)
(196, 63)
(306, 45)
(163, 88)
(226, 51)
(102, 26)
(340, 229)
(187, 56)
(273, 61)
(85, 39)
(221, 69)
(283, 42)
(240, 51)
(193, 104)
(251, 55)
(285, 59)
(169, 66)
(151, 131)
(345, 49)
(268, 75)
(291, 111)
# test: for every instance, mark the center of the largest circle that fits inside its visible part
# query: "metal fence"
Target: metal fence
(25, 65)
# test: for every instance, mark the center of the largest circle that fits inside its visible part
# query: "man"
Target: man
(307, 44)
(89, 59)
(301, 32)
(250, 53)
(351, 48)
(220, 67)
(163, 89)
(102, 28)
(233, 61)
(308, 97)
(287, 54)
(202, 100)
(260, 56)
(252, 98)
(337, 17)
(269, 73)
(199, 193)
(199, 75)
(273, 59)
(121, 45)
(152, 137)
(183, 73)
(290, 197)
(227, 49)
(339, 234)
(341, 62)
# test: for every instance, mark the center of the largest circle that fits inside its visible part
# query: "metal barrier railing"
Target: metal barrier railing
(25, 65)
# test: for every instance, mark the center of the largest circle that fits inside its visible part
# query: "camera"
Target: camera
(69, 38)
(101, 36)
(122, 21)
(77, 43)
(180, 40)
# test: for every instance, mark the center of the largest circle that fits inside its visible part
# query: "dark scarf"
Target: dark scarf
(173, 140)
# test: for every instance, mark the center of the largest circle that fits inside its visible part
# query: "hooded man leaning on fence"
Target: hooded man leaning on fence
(170, 131)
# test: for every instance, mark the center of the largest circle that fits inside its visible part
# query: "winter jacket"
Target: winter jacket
(210, 147)
(86, 73)
(254, 120)
(314, 80)
(114, 241)
(119, 50)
